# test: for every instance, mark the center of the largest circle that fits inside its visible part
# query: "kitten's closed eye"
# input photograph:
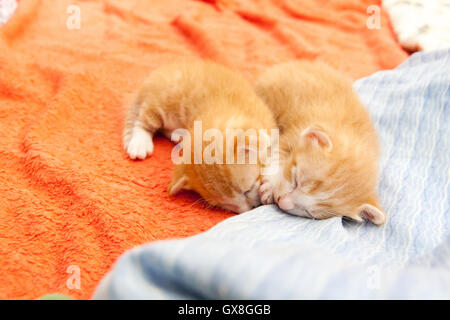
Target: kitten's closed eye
(252, 188)
(310, 186)
(252, 194)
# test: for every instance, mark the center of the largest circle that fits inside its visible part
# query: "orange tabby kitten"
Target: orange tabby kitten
(176, 95)
(328, 145)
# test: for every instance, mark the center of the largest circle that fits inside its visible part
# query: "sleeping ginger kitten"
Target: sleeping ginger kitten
(328, 145)
(176, 95)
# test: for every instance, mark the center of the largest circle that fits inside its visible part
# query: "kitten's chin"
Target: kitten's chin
(287, 205)
(301, 213)
(235, 208)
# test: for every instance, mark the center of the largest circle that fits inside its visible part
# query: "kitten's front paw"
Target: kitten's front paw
(140, 145)
(266, 192)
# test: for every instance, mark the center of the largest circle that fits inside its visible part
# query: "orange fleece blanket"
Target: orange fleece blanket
(69, 195)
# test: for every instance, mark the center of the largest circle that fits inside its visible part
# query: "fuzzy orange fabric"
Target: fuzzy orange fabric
(69, 194)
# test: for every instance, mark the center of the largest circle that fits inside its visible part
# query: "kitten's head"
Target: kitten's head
(233, 187)
(317, 180)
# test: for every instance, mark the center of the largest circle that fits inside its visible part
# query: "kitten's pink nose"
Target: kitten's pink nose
(285, 203)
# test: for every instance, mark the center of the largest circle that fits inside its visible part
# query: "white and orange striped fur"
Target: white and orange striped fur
(328, 146)
(176, 95)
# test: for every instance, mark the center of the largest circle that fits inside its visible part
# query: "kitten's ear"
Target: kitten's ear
(372, 213)
(319, 137)
(179, 181)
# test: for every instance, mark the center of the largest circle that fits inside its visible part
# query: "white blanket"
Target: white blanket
(7, 8)
(420, 24)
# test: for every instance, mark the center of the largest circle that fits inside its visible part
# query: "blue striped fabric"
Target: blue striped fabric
(268, 254)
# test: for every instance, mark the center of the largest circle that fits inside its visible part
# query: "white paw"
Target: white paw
(266, 192)
(140, 145)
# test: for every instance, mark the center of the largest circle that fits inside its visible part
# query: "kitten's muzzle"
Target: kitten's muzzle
(287, 204)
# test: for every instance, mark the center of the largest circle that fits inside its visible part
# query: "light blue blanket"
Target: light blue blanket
(267, 254)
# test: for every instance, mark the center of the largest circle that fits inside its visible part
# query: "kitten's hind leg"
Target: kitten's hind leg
(140, 126)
